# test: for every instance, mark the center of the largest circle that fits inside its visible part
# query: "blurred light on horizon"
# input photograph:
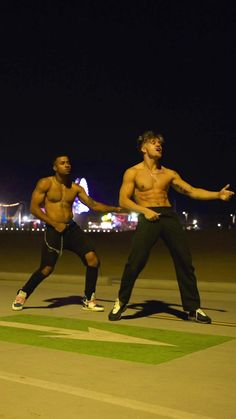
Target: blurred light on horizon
(78, 207)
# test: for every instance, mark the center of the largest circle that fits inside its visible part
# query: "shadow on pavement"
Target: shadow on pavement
(60, 302)
(142, 309)
(151, 307)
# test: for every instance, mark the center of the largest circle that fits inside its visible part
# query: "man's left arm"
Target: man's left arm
(197, 193)
(95, 205)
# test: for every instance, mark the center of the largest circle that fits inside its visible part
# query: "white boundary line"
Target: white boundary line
(101, 397)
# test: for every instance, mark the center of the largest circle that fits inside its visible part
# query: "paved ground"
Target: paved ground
(37, 382)
(40, 382)
(213, 255)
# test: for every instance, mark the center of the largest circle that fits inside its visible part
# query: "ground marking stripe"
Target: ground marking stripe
(176, 319)
(91, 334)
(102, 397)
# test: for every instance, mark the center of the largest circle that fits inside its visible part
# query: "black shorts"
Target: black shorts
(72, 238)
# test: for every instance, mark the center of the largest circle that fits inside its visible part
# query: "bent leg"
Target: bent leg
(36, 278)
(49, 256)
(48, 260)
(79, 243)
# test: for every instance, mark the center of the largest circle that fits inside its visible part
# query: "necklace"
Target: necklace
(150, 172)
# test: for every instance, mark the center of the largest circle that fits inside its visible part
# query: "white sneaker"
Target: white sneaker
(91, 305)
(19, 301)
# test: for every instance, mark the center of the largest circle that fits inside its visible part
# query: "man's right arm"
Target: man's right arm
(126, 193)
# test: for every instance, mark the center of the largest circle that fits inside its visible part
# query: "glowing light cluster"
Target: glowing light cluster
(78, 207)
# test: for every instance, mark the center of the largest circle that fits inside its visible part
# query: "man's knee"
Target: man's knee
(47, 270)
(92, 260)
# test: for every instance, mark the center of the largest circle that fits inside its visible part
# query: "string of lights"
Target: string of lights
(10, 205)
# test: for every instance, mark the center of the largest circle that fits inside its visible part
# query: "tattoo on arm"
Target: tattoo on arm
(181, 189)
(181, 186)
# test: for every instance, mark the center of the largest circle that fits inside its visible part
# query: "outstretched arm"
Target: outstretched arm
(95, 205)
(197, 193)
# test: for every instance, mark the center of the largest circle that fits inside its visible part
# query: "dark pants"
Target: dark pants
(73, 239)
(169, 228)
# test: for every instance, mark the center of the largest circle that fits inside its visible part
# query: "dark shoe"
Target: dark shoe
(118, 309)
(199, 316)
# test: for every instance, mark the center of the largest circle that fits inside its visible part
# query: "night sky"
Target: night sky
(85, 78)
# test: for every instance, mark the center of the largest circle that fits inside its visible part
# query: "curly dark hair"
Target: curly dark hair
(146, 136)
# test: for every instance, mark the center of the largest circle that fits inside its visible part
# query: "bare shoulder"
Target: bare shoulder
(44, 183)
(77, 188)
(134, 169)
(170, 172)
(75, 185)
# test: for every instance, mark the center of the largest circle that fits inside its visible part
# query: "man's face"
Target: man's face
(62, 165)
(153, 147)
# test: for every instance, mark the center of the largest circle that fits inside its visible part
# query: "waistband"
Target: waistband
(68, 224)
(162, 209)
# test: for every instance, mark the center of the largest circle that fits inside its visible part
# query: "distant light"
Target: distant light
(133, 216)
(194, 222)
(9, 205)
(79, 207)
(219, 225)
(106, 225)
(106, 217)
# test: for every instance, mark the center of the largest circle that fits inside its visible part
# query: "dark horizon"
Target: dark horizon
(88, 79)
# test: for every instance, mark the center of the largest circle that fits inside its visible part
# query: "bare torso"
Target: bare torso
(59, 199)
(151, 187)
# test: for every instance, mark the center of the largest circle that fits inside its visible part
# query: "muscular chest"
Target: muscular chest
(61, 193)
(146, 181)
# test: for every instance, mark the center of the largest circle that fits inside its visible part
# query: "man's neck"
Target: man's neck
(63, 180)
(152, 164)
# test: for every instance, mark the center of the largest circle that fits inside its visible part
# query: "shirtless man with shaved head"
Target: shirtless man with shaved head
(51, 202)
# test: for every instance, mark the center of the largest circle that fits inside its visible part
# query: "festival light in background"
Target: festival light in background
(78, 207)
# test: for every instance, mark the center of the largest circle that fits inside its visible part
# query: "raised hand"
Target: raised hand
(225, 194)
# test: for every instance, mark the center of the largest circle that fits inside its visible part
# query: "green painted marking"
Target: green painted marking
(184, 342)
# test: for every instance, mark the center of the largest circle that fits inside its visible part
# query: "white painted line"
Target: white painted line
(92, 334)
(165, 412)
